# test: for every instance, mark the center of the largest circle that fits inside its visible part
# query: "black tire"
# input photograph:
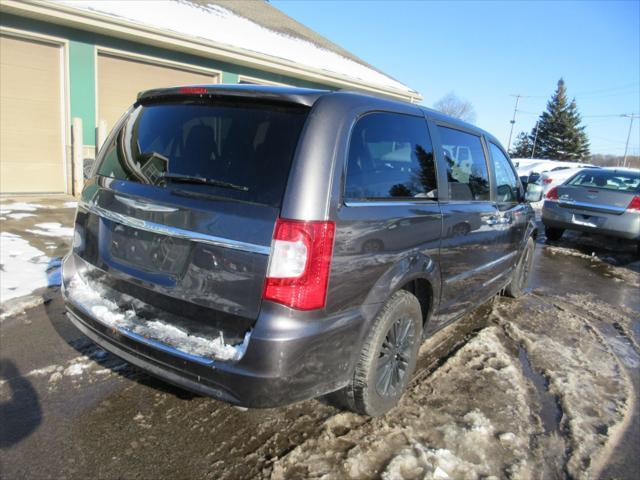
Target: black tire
(394, 336)
(520, 278)
(553, 233)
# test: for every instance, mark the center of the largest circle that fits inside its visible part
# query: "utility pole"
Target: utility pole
(626, 147)
(535, 139)
(513, 121)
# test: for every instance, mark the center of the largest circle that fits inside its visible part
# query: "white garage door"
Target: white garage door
(120, 79)
(31, 117)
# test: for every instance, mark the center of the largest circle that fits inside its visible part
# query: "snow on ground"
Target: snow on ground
(7, 208)
(450, 425)
(90, 362)
(24, 268)
(52, 229)
(20, 216)
(92, 299)
(217, 24)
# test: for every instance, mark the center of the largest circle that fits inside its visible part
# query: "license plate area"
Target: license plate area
(586, 220)
(147, 250)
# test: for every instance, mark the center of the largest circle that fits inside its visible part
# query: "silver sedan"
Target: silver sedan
(605, 201)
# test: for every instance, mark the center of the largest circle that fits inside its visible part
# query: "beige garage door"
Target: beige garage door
(31, 117)
(120, 79)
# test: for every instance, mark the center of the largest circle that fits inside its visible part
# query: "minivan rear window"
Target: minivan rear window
(239, 151)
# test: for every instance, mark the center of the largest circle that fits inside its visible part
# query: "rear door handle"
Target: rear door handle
(492, 220)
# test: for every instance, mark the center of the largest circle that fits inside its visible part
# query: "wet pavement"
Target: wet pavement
(542, 387)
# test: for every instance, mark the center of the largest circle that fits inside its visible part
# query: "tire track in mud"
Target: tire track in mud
(613, 327)
(589, 440)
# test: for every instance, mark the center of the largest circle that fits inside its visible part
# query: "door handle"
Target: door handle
(497, 220)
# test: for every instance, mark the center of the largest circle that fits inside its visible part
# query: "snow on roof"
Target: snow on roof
(217, 24)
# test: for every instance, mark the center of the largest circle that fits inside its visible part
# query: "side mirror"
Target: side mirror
(534, 193)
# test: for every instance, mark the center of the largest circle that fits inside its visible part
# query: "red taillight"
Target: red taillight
(547, 180)
(192, 90)
(300, 262)
(634, 204)
(552, 194)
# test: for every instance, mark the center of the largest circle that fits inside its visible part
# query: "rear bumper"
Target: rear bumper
(286, 360)
(626, 225)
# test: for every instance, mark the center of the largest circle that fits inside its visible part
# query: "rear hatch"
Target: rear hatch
(177, 222)
(600, 191)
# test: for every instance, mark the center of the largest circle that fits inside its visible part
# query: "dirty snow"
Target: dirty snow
(91, 299)
(479, 415)
(437, 431)
(584, 373)
(217, 24)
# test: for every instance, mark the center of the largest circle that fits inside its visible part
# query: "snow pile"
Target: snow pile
(24, 268)
(90, 298)
(450, 425)
(52, 229)
(217, 24)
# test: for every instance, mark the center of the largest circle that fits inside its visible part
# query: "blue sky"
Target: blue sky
(485, 51)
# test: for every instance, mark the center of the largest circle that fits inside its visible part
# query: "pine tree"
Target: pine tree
(522, 146)
(560, 136)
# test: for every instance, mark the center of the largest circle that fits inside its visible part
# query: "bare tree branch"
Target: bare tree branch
(456, 107)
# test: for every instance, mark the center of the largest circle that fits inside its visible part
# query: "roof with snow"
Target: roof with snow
(254, 28)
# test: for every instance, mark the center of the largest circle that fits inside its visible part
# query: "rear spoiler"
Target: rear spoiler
(289, 95)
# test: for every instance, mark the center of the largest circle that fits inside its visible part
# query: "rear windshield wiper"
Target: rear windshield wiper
(178, 177)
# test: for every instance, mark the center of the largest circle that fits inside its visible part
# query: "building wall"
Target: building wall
(82, 47)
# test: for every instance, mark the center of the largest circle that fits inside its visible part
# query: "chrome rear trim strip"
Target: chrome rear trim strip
(592, 206)
(174, 231)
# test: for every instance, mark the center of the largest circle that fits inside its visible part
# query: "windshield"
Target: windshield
(609, 180)
(237, 151)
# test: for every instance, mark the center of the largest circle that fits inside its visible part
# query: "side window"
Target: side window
(390, 156)
(466, 165)
(506, 181)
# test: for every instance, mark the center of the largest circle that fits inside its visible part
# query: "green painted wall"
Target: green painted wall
(228, 77)
(82, 65)
(82, 82)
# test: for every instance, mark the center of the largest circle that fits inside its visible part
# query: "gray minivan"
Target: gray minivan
(265, 245)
